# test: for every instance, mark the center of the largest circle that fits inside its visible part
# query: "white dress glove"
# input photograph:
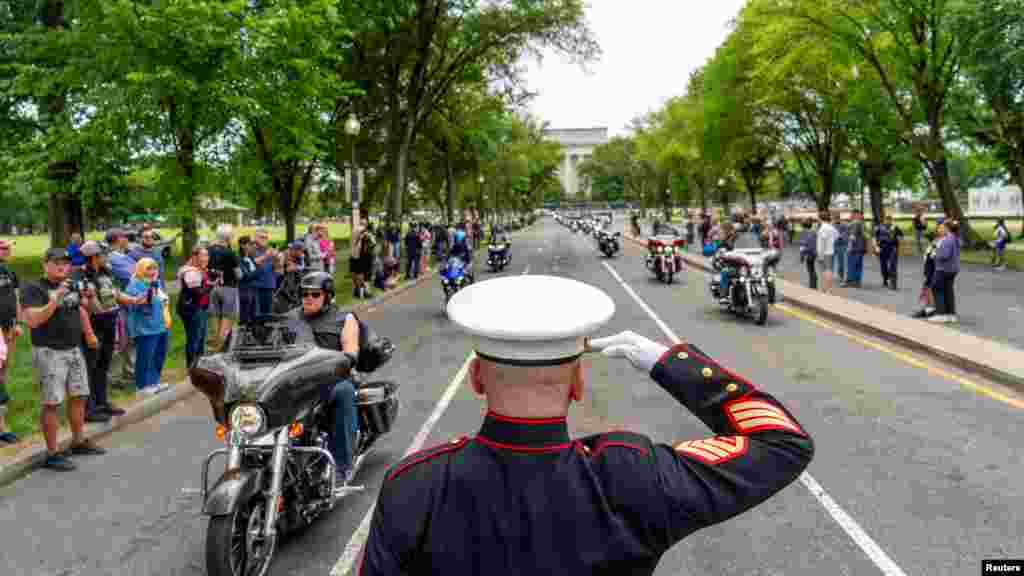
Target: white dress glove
(642, 353)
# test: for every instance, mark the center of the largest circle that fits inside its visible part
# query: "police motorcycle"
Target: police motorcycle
(264, 390)
(750, 275)
(454, 277)
(499, 254)
(664, 256)
(608, 242)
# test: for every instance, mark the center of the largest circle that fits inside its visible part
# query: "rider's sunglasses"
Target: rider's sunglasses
(312, 293)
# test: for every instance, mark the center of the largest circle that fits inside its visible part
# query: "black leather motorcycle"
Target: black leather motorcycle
(751, 286)
(608, 242)
(265, 392)
(499, 255)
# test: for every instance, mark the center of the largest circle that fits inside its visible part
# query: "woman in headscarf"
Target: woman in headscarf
(149, 324)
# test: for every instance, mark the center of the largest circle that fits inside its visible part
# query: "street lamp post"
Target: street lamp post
(480, 179)
(352, 129)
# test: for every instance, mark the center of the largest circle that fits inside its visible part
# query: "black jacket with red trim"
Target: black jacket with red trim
(523, 498)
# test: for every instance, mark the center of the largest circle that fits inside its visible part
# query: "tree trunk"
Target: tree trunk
(65, 206)
(449, 177)
(874, 181)
(938, 169)
(186, 165)
(827, 176)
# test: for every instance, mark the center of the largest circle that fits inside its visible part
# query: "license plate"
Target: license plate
(235, 438)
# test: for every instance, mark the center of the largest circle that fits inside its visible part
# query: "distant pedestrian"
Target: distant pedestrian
(327, 249)
(808, 252)
(947, 266)
(424, 234)
(264, 282)
(927, 297)
(247, 306)
(920, 226)
(224, 270)
(311, 245)
(887, 238)
(194, 303)
(999, 246)
(842, 243)
(75, 251)
(412, 253)
(826, 250)
(103, 313)
(858, 246)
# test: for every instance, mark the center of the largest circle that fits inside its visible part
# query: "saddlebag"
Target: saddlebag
(378, 407)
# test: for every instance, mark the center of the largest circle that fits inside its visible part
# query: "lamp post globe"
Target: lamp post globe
(352, 125)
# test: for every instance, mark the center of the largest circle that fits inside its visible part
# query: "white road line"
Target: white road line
(845, 521)
(355, 543)
(350, 555)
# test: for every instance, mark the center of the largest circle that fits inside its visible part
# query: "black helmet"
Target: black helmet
(319, 281)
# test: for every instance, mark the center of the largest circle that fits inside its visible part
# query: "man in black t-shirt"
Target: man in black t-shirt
(55, 310)
(225, 271)
(10, 314)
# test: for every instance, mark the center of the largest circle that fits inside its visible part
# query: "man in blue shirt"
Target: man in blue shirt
(122, 266)
(75, 251)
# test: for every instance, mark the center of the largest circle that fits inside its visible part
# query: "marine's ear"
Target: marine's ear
(474, 377)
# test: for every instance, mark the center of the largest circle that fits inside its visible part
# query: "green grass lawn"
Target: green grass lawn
(23, 387)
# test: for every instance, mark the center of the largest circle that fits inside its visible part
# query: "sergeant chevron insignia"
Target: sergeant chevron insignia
(755, 415)
(714, 450)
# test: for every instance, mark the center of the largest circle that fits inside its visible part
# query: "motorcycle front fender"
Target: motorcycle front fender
(232, 489)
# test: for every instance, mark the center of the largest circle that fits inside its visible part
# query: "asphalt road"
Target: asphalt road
(917, 474)
(989, 304)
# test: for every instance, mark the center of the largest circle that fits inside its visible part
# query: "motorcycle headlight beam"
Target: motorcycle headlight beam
(249, 419)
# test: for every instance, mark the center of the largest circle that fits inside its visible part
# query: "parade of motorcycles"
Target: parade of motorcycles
(584, 400)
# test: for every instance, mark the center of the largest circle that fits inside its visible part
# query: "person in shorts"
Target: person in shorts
(55, 311)
(225, 271)
(10, 314)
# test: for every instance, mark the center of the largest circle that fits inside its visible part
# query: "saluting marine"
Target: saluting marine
(522, 497)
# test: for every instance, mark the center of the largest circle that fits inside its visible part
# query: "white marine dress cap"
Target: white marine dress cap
(530, 320)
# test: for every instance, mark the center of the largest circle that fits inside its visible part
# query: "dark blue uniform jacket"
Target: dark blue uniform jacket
(523, 498)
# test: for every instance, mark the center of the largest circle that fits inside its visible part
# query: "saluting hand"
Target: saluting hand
(642, 353)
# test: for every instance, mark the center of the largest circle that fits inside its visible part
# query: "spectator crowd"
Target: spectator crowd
(100, 315)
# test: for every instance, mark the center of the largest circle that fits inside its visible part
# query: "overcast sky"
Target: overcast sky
(649, 49)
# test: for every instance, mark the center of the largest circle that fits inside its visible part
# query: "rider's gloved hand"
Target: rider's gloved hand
(642, 353)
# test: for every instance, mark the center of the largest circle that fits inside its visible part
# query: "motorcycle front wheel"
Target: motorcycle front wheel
(236, 544)
(762, 310)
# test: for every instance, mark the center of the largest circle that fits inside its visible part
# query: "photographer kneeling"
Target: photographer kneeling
(55, 311)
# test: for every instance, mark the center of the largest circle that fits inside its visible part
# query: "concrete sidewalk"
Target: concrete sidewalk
(994, 360)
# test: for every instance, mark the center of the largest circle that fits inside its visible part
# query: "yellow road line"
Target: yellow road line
(908, 358)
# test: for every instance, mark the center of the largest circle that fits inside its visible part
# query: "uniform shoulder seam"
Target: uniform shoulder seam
(425, 455)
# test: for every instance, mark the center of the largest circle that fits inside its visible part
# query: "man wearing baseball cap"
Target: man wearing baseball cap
(103, 311)
(523, 497)
(55, 311)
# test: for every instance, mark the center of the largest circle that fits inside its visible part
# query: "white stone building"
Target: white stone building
(578, 145)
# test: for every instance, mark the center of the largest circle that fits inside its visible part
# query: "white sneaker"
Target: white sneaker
(938, 319)
(951, 319)
(161, 387)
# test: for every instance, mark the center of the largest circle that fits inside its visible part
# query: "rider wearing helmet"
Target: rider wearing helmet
(336, 329)
(460, 249)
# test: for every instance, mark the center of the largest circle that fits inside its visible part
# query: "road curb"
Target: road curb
(32, 456)
(1007, 376)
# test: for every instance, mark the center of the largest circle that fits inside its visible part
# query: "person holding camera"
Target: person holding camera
(194, 302)
(103, 311)
(55, 310)
(225, 272)
(149, 322)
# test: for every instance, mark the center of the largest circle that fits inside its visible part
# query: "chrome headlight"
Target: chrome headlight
(249, 419)
(658, 249)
